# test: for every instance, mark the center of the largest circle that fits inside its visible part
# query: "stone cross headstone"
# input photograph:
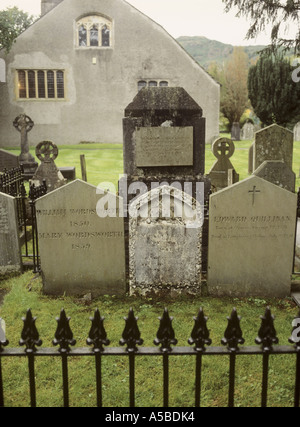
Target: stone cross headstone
(165, 230)
(297, 132)
(223, 149)
(8, 160)
(24, 125)
(251, 240)
(247, 132)
(278, 173)
(47, 152)
(273, 143)
(81, 241)
(236, 132)
(10, 251)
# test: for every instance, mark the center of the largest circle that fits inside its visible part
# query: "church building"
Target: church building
(75, 70)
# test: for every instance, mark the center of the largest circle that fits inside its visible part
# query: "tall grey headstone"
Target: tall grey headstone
(10, 251)
(273, 143)
(251, 240)
(247, 132)
(165, 231)
(81, 241)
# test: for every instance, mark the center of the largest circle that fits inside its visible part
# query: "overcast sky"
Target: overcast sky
(180, 18)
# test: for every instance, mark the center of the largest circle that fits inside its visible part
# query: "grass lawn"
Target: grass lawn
(104, 164)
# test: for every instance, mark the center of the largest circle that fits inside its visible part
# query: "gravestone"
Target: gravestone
(24, 125)
(164, 138)
(10, 251)
(219, 174)
(81, 241)
(236, 132)
(251, 240)
(273, 143)
(278, 173)
(165, 230)
(247, 132)
(297, 132)
(8, 160)
(47, 152)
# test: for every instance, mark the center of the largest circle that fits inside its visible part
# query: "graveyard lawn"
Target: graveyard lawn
(105, 161)
(26, 292)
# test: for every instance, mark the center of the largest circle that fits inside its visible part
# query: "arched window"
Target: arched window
(163, 84)
(94, 31)
(141, 84)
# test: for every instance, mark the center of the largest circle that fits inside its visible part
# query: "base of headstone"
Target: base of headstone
(29, 169)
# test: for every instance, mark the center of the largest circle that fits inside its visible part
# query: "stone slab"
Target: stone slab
(8, 160)
(10, 251)
(80, 251)
(251, 240)
(164, 146)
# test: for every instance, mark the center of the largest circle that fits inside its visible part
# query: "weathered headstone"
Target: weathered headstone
(10, 251)
(236, 132)
(219, 174)
(247, 132)
(278, 173)
(47, 152)
(251, 240)
(273, 143)
(165, 231)
(8, 160)
(81, 241)
(297, 132)
(24, 125)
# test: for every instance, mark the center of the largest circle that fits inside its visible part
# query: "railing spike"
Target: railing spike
(267, 335)
(97, 335)
(165, 335)
(131, 335)
(30, 336)
(233, 335)
(63, 334)
(200, 333)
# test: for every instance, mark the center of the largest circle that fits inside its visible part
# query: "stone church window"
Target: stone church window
(152, 83)
(41, 84)
(94, 31)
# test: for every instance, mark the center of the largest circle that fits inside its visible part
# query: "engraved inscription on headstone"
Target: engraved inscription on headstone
(164, 146)
(10, 252)
(80, 251)
(251, 240)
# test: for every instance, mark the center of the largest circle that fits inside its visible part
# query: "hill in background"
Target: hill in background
(205, 51)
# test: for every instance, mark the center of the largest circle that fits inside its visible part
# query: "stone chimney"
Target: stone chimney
(47, 5)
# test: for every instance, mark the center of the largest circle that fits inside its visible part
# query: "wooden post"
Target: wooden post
(83, 167)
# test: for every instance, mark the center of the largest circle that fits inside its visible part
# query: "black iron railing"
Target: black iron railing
(165, 342)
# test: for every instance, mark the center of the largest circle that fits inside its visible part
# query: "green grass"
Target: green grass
(105, 163)
(26, 292)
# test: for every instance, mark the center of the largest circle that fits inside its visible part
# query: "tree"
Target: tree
(274, 95)
(12, 23)
(233, 79)
(276, 13)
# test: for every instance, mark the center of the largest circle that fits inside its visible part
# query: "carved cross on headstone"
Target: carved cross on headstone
(253, 192)
(24, 124)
